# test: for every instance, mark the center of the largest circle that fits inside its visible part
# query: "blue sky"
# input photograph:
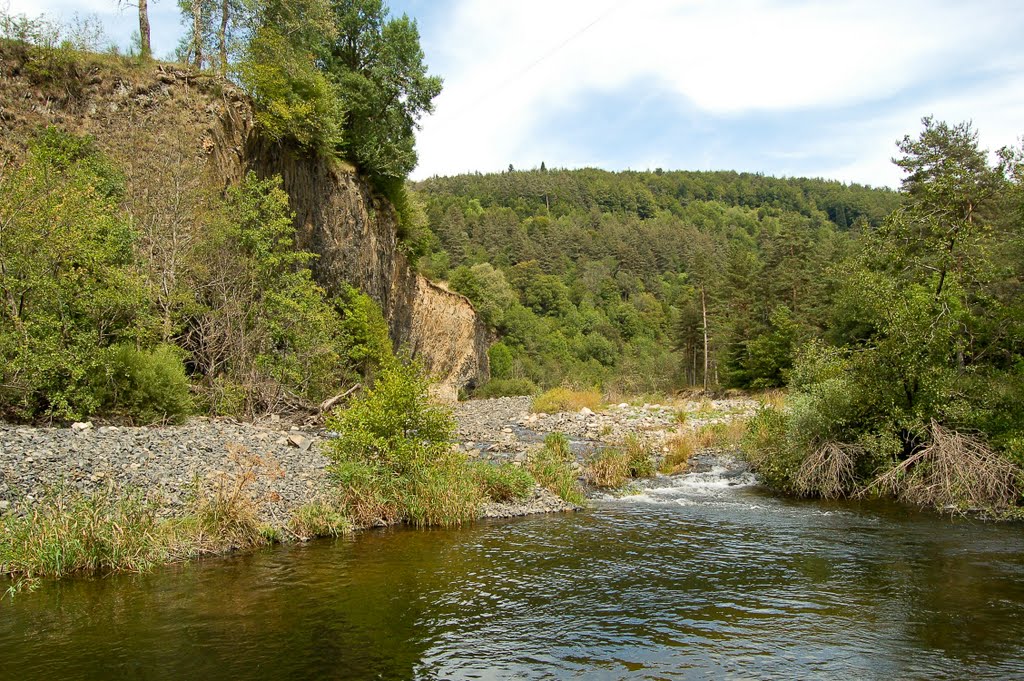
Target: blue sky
(782, 87)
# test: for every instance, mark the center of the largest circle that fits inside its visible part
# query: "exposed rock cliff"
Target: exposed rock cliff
(355, 232)
(169, 128)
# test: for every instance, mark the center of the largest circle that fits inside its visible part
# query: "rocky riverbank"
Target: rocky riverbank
(284, 465)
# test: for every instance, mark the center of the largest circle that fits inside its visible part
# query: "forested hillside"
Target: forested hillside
(646, 281)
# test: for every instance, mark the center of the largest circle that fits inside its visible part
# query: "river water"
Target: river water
(700, 577)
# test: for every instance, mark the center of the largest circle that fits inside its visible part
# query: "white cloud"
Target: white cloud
(508, 64)
(512, 67)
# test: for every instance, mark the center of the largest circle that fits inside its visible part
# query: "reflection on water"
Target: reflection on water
(701, 576)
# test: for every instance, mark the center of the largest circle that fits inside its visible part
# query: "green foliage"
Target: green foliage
(504, 482)
(918, 358)
(69, 285)
(377, 64)
(506, 387)
(613, 277)
(146, 386)
(262, 323)
(552, 467)
(295, 100)
(500, 359)
(393, 456)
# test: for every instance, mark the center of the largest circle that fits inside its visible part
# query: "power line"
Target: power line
(532, 65)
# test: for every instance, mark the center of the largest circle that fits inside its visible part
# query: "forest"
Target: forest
(643, 281)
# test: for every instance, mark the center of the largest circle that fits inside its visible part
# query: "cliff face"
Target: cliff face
(172, 130)
(354, 231)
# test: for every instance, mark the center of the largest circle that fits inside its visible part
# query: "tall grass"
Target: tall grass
(616, 466)
(552, 467)
(69, 531)
(504, 482)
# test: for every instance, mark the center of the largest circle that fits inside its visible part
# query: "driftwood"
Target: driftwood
(955, 472)
(828, 472)
(330, 403)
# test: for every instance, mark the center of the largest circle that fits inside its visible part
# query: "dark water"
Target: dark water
(695, 581)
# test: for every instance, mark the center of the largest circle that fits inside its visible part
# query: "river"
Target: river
(699, 577)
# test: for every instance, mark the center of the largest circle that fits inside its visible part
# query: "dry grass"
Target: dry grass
(559, 400)
(616, 466)
(776, 399)
(828, 472)
(681, 446)
(955, 472)
(607, 470)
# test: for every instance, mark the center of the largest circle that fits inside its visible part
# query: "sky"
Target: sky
(819, 88)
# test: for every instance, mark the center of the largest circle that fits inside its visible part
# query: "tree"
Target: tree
(294, 98)
(949, 183)
(146, 50)
(382, 80)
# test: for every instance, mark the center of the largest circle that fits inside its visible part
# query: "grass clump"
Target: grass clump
(559, 400)
(504, 482)
(69, 531)
(394, 459)
(681, 446)
(319, 518)
(552, 467)
(615, 466)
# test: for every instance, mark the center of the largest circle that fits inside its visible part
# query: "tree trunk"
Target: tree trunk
(222, 36)
(197, 33)
(146, 48)
(704, 317)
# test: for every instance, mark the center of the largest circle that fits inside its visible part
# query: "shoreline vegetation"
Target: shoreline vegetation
(111, 528)
(893, 320)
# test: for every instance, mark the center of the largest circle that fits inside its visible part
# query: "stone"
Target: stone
(81, 426)
(586, 411)
(300, 441)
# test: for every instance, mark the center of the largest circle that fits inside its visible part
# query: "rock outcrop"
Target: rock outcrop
(354, 230)
(167, 127)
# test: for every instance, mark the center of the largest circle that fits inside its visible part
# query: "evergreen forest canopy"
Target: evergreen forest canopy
(895, 319)
(644, 281)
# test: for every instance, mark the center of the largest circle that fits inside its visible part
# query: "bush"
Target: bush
(146, 386)
(552, 467)
(508, 387)
(565, 399)
(393, 456)
(67, 260)
(504, 482)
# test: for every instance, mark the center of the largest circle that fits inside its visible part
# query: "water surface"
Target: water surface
(698, 578)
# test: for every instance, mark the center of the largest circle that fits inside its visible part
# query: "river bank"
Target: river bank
(289, 467)
(199, 478)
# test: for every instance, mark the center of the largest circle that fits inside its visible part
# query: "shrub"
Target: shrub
(552, 467)
(67, 260)
(505, 482)
(146, 386)
(393, 455)
(565, 399)
(507, 387)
